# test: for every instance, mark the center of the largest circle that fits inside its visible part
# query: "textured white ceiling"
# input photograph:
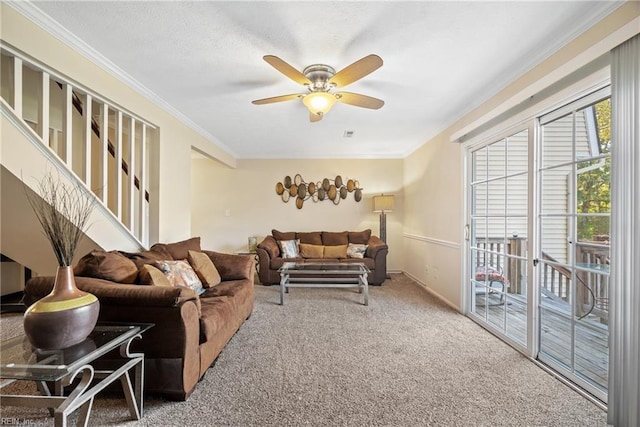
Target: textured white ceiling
(441, 59)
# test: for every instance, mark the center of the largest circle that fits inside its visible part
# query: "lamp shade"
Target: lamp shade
(382, 203)
(319, 102)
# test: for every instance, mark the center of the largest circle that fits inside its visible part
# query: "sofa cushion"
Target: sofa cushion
(150, 275)
(313, 238)
(360, 237)
(330, 238)
(311, 251)
(148, 257)
(338, 251)
(111, 266)
(279, 235)
(181, 275)
(179, 250)
(289, 248)
(356, 250)
(204, 268)
(217, 311)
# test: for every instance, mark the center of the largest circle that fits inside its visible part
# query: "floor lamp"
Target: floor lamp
(383, 204)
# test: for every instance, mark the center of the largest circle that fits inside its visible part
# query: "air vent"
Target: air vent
(348, 133)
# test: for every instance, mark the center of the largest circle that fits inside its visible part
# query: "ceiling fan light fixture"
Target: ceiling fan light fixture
(319, 102)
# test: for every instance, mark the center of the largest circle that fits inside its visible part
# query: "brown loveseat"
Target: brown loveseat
(271, 257)
(190, 331)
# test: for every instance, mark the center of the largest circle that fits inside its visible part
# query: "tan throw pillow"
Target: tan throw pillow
(289, 248)
(204, 268)
(339, 251)
(181, 275)
(356, 251)
(111, 266)
(311, 251)
(150, 275)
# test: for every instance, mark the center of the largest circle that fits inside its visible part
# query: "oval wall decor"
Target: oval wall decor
(326, 189)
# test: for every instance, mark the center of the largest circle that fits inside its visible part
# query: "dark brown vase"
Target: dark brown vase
(63, 318)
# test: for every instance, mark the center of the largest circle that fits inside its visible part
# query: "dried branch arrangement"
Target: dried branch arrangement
(63, 211)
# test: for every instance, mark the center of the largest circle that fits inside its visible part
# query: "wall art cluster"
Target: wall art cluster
(327, 189)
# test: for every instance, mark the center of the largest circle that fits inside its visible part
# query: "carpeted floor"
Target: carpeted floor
(324, 359)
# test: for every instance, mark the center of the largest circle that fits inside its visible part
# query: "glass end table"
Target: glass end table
(22, 362)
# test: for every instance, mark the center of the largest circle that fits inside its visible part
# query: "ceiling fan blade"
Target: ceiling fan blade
(280, 98)
(359, 100)
(315, 117)
(356, 71)
(287, 69)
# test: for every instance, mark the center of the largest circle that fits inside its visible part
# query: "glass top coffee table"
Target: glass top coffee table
(21, 361)
(324, 275)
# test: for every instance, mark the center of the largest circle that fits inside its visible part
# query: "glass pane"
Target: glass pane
(479, 199)
(496, 234)
(518, 152)
(497, 159)
(497, 197)
(592, 352)
(516, 319)
(555, 190)
(603, 124)
(554, 232)
(555, 336)
(479, 233)
(593, 186)
(557, 145)
(517, 202)
(479, 165)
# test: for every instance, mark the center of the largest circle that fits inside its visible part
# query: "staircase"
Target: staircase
(52, 123)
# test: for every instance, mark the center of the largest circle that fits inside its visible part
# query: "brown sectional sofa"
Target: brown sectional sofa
(270, 256)
(190, 331)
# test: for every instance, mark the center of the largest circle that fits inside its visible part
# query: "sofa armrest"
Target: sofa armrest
(270, 246)
(375, 245)
(117, 294)
(232, 267)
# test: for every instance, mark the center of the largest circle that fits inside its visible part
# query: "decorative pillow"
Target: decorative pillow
(279, 235)
(360, 237)
(339, 251)
(204, 268)
(313, 238)
(179, 250)
(289, 248)
(181, 275)
(333, 239)
(311, 251)
(111, 266)
(150, 275)
(356, 250)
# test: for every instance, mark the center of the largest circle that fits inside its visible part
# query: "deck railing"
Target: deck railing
(102, 145)
(592, 272)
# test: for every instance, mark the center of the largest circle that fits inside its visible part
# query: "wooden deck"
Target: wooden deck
(591, 353)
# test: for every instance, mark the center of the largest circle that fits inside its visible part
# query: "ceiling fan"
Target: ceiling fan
(320, 81)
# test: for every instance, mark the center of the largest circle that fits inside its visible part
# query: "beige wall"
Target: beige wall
(247, 193)
(175, 139)
(434, 200)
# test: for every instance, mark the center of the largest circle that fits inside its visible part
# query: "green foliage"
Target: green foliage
(594, 185)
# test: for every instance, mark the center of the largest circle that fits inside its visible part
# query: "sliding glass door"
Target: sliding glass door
(498, 235)
(574, 256)
(538, 239)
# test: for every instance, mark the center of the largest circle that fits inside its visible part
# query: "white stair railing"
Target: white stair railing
(100, 143)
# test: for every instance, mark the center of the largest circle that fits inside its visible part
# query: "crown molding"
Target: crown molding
(44, 21)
